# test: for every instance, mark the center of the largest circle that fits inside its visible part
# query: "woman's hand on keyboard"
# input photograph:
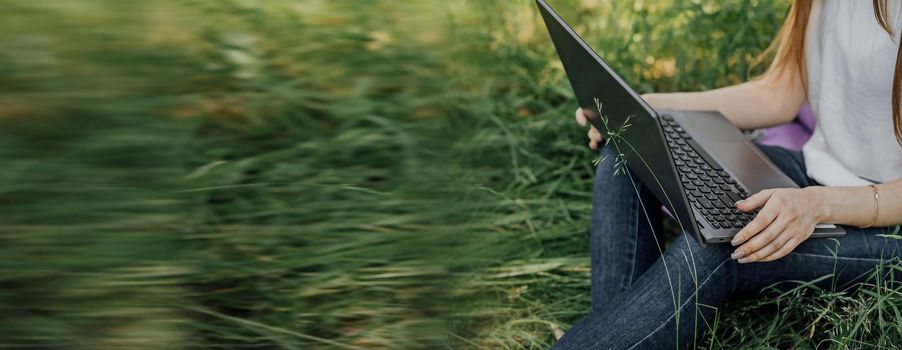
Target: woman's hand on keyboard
(595, 138)
(787, 218)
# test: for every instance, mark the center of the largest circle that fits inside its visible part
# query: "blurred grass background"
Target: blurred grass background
(334, 174)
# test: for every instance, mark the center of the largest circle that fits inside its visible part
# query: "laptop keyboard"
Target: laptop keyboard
(710, 189)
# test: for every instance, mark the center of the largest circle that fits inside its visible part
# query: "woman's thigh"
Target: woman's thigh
(834, 262)
(626, 223)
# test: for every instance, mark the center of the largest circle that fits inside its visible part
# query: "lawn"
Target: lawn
(312, 174)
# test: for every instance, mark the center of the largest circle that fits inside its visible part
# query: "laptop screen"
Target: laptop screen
(624, 118)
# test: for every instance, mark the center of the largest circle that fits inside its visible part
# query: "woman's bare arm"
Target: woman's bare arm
(774, 99)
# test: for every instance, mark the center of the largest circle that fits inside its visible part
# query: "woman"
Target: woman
(846, 64)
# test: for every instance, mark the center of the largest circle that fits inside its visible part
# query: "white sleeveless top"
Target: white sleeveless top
(850, 61)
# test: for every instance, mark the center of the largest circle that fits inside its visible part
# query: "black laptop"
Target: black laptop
(696, 163)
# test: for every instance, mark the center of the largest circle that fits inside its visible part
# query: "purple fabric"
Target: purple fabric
(791, 135)
(806, 117)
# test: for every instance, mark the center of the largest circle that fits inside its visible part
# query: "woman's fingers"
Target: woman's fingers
(594, 135)
(777, 229)
(758, 224)
(580, 117)
(749, 251)
(595, 138)
(777, 234)
(787, 248)
(755, 201)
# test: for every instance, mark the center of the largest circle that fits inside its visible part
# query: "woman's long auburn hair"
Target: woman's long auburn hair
(788, 49)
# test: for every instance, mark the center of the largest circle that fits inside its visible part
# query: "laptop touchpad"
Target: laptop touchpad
(730, 147)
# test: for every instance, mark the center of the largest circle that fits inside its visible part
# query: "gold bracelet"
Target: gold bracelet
(876, 206)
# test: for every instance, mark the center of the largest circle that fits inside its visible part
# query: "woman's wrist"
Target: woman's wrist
(843, 205)
(824, 202)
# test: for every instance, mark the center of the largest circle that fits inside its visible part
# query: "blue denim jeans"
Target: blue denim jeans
(648, 297)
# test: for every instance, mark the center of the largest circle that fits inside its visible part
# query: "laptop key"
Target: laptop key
(729, 202)
(734, 196)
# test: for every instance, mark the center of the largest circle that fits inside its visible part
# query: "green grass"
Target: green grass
(337, 174)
